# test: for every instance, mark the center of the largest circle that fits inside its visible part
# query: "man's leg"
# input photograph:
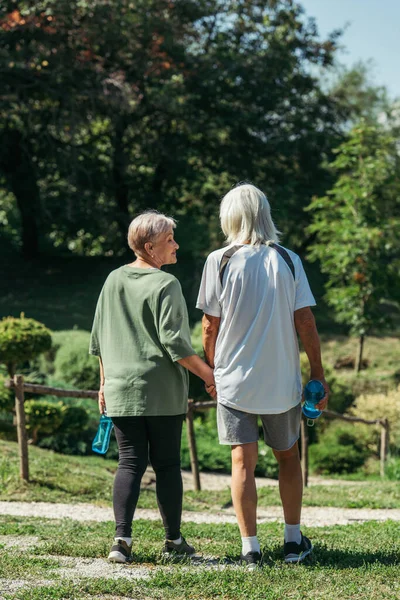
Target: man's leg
(290, 483)
(244, 492)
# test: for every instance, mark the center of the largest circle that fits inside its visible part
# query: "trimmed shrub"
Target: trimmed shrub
(6, 396)
(22, 340)
(72, 363)
(42, 417)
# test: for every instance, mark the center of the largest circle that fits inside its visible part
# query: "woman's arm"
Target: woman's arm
(197, 366)
(102, 402)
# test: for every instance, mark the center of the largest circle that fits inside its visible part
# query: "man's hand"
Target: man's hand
(322, 404)
(102, 402)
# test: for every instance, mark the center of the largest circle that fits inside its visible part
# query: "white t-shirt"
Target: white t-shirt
(257, 364)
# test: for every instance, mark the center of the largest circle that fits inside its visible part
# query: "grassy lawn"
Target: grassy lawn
(353, 562)
(60, 478)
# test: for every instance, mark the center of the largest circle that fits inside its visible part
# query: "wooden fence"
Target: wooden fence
(21, 388)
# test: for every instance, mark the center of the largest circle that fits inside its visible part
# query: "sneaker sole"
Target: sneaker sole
(296, 558)
(117, 557)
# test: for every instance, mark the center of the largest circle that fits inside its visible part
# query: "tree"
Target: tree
(21, 340)
(113, 106)
(356, 229)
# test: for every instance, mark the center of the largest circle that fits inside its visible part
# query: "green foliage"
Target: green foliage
(341, 449)
(42, 417)
(356, 229)
(71, 362)
(21, 340)
(153, 109)
(6, 396)
(58, 426)
(392, 468)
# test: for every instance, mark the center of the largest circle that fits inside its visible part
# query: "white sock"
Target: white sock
(250, 544)
(292, 533)
(127, 540)
(178, 541)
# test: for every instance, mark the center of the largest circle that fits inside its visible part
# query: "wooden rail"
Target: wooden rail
(21, 388)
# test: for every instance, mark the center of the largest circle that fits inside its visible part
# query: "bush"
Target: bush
(68, 360)
(392, 468)
(381, 406)
(343, 448)
(6, 396)
(56, 422)
(42, 417)
(22, 340)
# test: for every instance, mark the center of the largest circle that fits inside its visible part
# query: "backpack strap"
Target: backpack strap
(285, 256)
(225, 259)
(231, 251)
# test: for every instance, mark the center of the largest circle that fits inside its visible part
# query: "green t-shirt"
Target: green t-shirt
(140, 330)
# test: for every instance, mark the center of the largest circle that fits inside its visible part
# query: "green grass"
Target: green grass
(383, 354)
(357, 562)
(59, 478)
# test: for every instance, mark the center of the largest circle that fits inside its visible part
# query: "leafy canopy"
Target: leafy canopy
(355, 227)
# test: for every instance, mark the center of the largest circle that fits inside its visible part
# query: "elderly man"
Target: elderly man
(255, 297)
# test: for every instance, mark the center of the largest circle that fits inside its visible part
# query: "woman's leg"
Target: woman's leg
(165, 456)
(133, 446)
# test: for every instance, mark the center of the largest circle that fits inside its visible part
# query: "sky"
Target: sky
(373, 32)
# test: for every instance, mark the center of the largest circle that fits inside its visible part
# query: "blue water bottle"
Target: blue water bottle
(102, 440)
(313, 393)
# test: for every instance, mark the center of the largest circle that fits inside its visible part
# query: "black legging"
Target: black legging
(140, 439)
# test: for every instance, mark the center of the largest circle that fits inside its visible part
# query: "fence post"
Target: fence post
(194, 463)
(21, 428)
(384, 444)
(304, 451)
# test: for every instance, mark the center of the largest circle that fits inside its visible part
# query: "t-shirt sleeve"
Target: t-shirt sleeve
(174, 328)
(304, 296)
(94, 344)
(210, 288)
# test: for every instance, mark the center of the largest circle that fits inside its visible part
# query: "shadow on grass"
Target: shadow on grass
(334, 559)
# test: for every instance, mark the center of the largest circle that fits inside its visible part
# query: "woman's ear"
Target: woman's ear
(148, 248)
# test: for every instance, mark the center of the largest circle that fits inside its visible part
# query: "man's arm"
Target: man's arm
(209, 334)
(306, 328)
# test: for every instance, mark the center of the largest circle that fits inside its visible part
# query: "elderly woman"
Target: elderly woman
(141, 335)
(256, 299)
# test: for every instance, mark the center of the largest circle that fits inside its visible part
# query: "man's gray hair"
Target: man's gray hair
(245, 216)
(146, 227)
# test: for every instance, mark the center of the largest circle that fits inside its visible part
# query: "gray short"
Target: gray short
(236, 427)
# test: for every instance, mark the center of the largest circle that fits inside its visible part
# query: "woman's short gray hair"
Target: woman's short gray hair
(245, 216)
(146, 227)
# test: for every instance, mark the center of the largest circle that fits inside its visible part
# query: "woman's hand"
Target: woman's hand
(102, 402)
(210, 389)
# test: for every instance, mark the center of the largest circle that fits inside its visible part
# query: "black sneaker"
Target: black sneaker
(120, 552)
(251, 560)
(183, 549)
(295, 553)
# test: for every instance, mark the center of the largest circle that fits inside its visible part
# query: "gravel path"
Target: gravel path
(311, 516)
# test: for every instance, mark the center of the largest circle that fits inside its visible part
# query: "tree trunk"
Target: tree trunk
(360, 354)
(20, 171)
